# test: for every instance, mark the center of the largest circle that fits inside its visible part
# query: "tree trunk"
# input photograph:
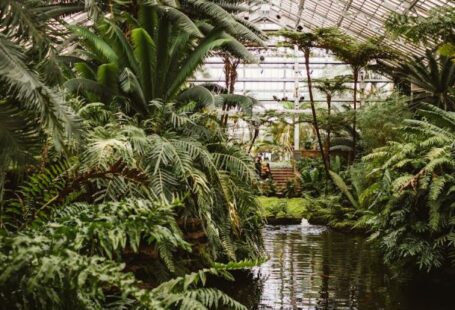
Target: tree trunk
(255, 136)
(354, 121)
(329, 126)
(230, 77)
(313, 111)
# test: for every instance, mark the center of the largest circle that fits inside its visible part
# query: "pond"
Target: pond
(312, 267)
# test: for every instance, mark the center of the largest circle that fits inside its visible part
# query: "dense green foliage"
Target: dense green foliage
(274, 207)
(432, 78)
(417, 178)
(121, 188)
(69, 261)
(401, 192)
(399, 188)
(379, 122)
(438, 26)
(115, 192)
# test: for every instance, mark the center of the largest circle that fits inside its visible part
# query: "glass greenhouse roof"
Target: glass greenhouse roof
(360, 18)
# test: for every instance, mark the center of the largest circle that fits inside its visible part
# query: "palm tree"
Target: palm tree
(30, 108)
(151, 147)
(434, 76)
(331, 87)
(145, 117)
(358, 54)
(154, 61)
(306, 41)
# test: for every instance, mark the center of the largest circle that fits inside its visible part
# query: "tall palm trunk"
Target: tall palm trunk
(354, 121)
(313, 111)
(255, 136)
(230, 74)
(329, 126)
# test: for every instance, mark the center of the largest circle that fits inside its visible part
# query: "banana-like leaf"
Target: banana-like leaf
(120, 44)
(107, 75)
(85, 71)
(344, 189)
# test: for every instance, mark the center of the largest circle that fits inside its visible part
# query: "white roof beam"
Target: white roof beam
(345, 10)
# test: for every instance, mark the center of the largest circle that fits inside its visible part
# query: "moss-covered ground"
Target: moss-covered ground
(283, 210)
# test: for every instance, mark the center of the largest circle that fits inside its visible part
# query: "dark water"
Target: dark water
(311, 267)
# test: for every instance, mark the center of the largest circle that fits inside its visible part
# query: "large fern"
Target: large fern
(416, 224)
(69, 271)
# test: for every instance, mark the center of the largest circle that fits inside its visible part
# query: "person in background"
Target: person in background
(266, 171)
(258, 165)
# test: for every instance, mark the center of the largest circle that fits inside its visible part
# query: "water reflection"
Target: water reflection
(311, 267)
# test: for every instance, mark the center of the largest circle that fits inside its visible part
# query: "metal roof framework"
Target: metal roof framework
(359, 18)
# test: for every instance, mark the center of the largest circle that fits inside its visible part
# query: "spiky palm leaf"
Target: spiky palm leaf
(162, 45)
(25, 87)
(20, 139)
(433, 77)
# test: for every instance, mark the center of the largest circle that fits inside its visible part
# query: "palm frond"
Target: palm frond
(145, 53)
(195, 59)
(199, 94)
(129, 83)
(102, 48)
(27, 88)
(178, 18)
(223, 20)
(20, 138)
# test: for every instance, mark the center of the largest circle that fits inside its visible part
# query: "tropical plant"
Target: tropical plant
(75, 208)
(331, 88)
(312, 178)
(341, 130)
(31, 109)
(432, 76)
(156, 60)
(176, 153)
(306, 42)
(378, 121)
(179, 151)
(438, 25)
(357, 186)
(358, 55)
(76, 260)
(278, 136)
(414, 224)
(280, 130)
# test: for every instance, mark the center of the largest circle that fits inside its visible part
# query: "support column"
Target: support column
(296, 100)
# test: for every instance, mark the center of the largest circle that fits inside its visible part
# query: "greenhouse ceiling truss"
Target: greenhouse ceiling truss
(359, 18)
